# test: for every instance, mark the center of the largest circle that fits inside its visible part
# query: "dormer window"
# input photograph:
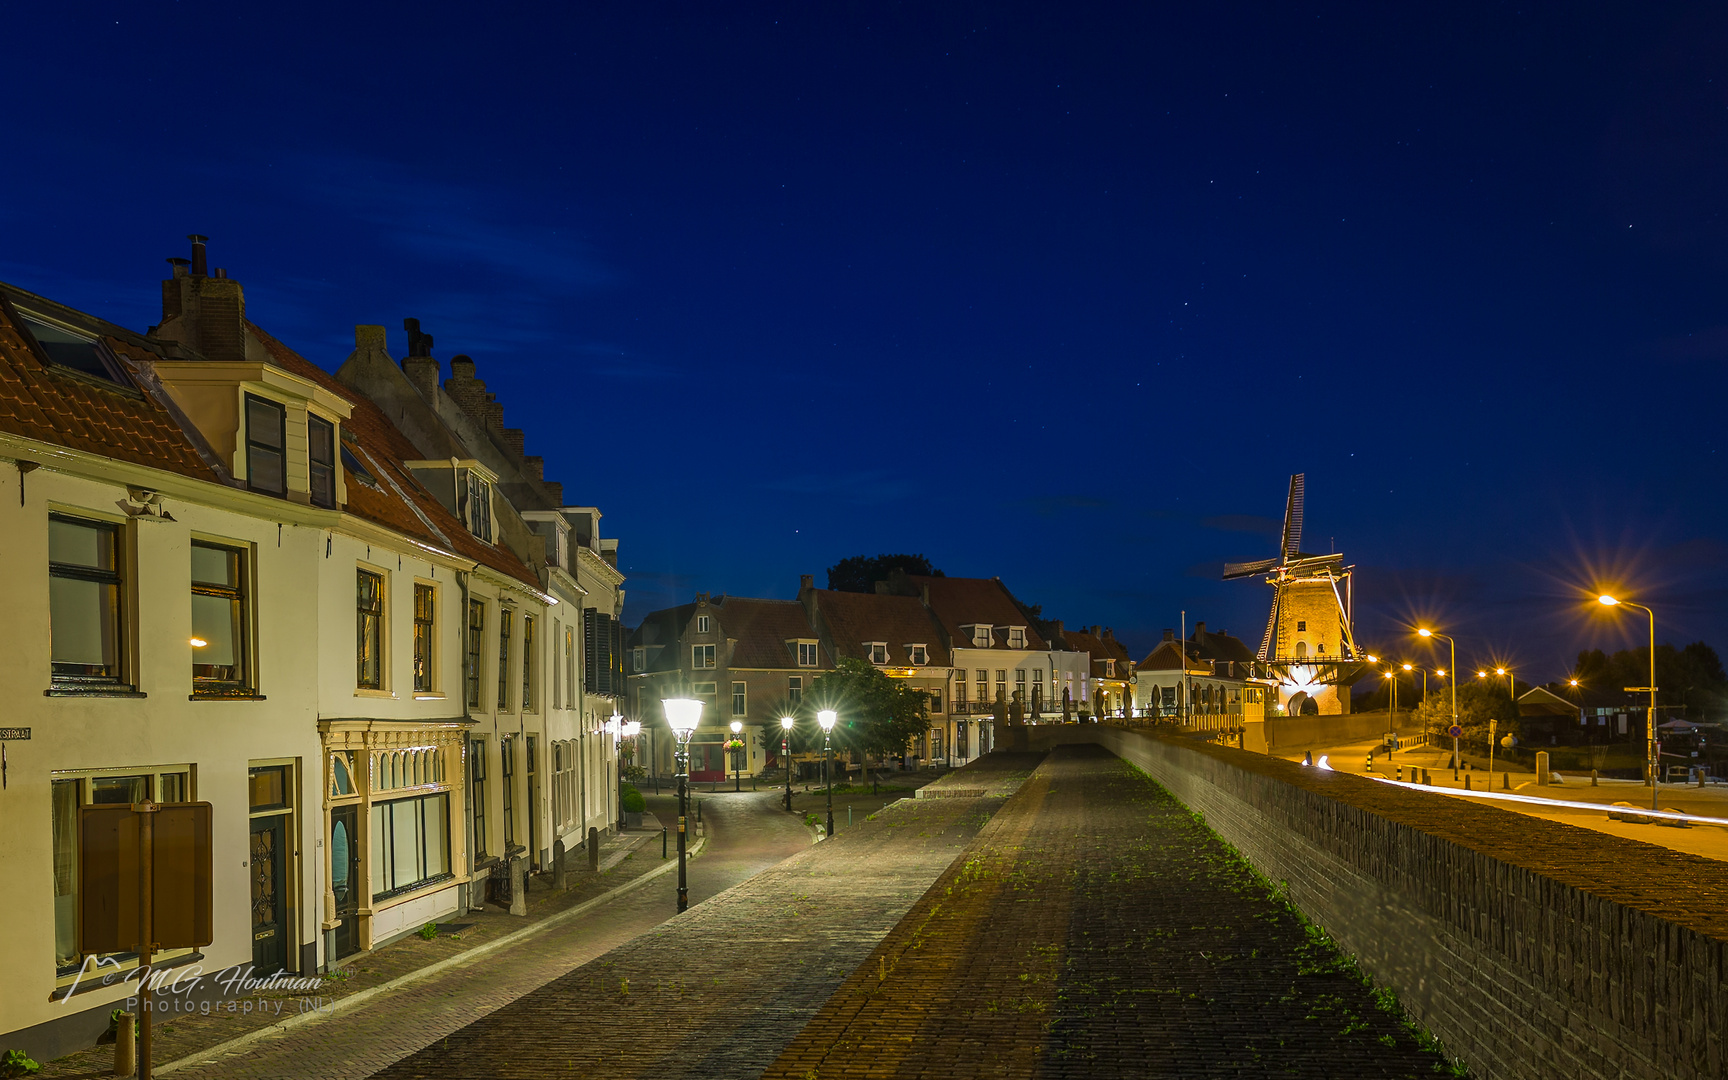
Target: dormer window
(1109, 669)
(1016, 637)
(479, 506)
(806, 654)
(920, 655)
(878, 651)
(981, 636)
(266, 442)
(321, 453)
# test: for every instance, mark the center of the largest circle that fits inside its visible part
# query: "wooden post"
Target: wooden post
(146, 930)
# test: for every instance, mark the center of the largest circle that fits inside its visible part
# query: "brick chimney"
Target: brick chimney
(1169, 634)
(206, 314)
(422, 370)
(534, 467)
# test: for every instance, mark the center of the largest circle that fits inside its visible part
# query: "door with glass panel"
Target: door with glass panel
(269, 946)
(345, 877)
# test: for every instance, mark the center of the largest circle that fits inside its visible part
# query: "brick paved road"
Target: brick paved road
(719, 991)
(1096, 929)
(746, 834)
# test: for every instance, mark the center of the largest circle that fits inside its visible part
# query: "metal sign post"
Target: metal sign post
(144, 885)
(1455, 731)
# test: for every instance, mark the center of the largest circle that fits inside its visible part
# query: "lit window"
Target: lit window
(806, 654)
(218, 619)
(701, 656)
(86, 601)
(739, 699)
(425, 623)
(369, 630)
(266, 442)
(410, 843)
(1301, 625)
(321, 452)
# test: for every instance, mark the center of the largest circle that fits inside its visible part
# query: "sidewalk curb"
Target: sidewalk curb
(208, 1055)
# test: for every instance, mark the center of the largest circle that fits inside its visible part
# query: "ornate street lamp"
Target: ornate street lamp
(826, 718)
(683, 714)
(786, 756)
(1651, 747)
(737, 728)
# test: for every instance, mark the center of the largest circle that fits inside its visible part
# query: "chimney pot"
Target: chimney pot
(806, 581)
(179, 265)
(220, 273)
(198, 261)
(1169, 634)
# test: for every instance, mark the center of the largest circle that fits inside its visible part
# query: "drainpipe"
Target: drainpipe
(467, 747)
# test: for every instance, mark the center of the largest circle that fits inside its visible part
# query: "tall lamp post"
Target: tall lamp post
(826, 718)
(786, 756)
(1651, 748)
(1452, 650)
(683, 714)
(737, 728)
(622, 729)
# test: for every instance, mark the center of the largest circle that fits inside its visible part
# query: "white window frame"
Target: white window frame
(702, 657)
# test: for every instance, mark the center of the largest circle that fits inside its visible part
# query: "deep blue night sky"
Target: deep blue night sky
(1057, 293)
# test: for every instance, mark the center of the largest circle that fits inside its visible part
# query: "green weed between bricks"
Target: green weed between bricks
(1320, 954)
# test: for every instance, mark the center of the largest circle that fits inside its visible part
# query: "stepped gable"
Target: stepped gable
(760, 629)
(45, 402)
(394, 501)
(958, 602)
(855, 618)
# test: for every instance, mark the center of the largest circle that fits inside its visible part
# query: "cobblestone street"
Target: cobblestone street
(719, 991)
(1096, 928)
(746, 833)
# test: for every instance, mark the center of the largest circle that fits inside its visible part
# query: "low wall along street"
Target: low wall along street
(1530, 948)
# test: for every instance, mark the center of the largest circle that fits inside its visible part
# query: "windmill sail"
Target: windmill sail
(1292, 545)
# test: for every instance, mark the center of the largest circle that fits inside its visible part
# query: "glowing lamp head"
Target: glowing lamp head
(737, 727)
(1606, 601)
(1499, 671)
(1407, 667)
(683, 714)
(199, 643)
(826, 718)
(786, 723)
(1372, 659)
(1440, 672)
(1574, 682)
(1386, 674)
(1425, 632)
(632, 729)
(1481, 674)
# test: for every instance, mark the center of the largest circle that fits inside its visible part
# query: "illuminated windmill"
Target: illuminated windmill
(1308, 646)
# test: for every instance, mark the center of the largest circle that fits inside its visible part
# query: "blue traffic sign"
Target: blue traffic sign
(1455, 731)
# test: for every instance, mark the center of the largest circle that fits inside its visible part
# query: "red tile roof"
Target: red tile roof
(760, 630)
(400, 503)
(958, 602)
(855, 618)
(52, 405)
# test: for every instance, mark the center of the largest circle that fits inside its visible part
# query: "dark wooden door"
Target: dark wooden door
(269, 896)
(345, 879)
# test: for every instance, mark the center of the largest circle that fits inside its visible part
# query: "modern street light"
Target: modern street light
(621, 730)
(737, 727)
(786, 756)
(1651, 747)
(826, 718)
(683, 714)
(1452, 647)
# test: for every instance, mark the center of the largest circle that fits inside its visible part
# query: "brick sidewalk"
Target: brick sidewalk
(1096, 928)
(624, 857)
(718, 991)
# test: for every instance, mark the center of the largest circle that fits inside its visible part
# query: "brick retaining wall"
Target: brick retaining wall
(1530, 948)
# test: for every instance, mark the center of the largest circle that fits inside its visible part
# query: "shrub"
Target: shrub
(634, 803)
(429, 931)
(17, 1063)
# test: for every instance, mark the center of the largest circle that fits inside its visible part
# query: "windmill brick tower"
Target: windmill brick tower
(1308, 647)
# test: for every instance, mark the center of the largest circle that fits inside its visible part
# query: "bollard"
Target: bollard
(1700, 776)
(1400, 774)
(1427, 778)
(1506, 781)
(698, 811)
(1466, 781)
(662, 841)
(558, 881)
(848, 816)
(593, 848)
(125, 1045)
(1592, 777)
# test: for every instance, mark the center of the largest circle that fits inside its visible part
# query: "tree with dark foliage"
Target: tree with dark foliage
(1691, 677)
(860, 573)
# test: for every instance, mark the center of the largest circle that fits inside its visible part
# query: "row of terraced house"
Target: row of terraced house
(979, 656)
(348, 611)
